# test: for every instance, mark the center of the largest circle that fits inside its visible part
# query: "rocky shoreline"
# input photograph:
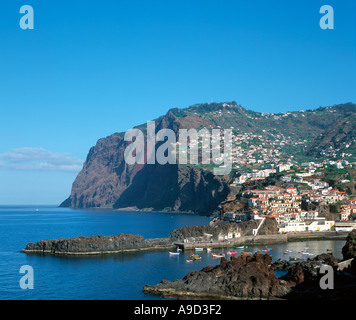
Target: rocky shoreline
(253, 277)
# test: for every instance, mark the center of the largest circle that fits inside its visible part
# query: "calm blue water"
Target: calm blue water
(117, 276)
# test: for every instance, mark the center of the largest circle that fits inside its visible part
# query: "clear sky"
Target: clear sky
(92, 68)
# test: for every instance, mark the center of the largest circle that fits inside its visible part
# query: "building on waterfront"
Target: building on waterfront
(317, 224)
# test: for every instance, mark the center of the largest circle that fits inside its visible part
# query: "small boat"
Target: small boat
(268, 249)
(329, 250)
(285, 252)
(174, 253)
(246, 253)
(231, 252)
(218, 255)
(265, 251)
(208, 249)
(197, 258)
(189, 261)
(193, 255)
(199, 249)
(235, 247)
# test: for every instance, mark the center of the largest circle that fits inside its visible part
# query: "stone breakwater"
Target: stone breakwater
(97, 245)
(187, 238)
(129, 242)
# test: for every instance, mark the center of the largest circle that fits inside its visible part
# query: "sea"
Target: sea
(119, 276)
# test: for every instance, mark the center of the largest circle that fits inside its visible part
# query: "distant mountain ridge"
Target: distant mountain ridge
(106, 180)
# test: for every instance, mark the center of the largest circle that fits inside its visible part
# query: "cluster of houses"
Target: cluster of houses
(348, 209)
(285, 206)
(254, 175)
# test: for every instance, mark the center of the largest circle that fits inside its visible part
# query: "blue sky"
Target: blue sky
(92, 68)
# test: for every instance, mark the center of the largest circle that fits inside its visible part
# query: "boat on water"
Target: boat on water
(199, 249)
(268, 249)
(189, 261)
(173, 253)
(218, 255)
(193, 256)
(231, 252)
(208, 249)
(329, 250)
(246, 253)
(241, 247)
(197, 258)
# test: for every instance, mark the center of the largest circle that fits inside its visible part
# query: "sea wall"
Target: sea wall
(97, 245)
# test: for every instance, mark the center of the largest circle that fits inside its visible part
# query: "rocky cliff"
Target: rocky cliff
(106, 180)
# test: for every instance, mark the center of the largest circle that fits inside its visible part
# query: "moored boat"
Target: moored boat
(197, 258)
(231, 252)
(193, 255)
(246, 253)
(189, 261)
(199, 249)
(174, 253)
(218, 255)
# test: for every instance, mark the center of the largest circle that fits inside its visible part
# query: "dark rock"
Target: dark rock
(349, 249)
(244, 277)
(97, 244)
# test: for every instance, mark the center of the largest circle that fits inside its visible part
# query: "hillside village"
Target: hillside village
(306, 193)
(301, 199)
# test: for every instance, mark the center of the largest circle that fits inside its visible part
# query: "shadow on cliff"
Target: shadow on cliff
(173, 187)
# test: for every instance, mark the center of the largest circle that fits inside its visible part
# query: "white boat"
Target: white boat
(199, 249)
(208, 249)
(173, 253)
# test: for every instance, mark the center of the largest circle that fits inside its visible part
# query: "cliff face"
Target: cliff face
(106, 180)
